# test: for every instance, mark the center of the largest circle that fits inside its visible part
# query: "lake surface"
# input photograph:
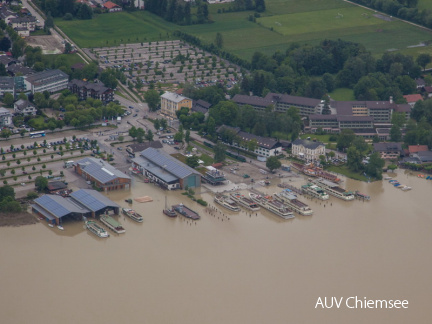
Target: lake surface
(248, 269)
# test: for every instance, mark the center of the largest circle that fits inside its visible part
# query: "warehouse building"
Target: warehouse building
(82, 203)
(165, 170)
(102, 174)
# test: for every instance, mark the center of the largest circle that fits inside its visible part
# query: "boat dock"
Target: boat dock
(186, 212)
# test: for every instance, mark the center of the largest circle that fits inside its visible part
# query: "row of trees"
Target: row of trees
(405, 9)
(65, 8)
(179, 11)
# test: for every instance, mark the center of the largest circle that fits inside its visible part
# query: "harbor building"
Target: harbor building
(84, 202)
(166, 170)
(388, 150)
(102, 174)
(308, 151)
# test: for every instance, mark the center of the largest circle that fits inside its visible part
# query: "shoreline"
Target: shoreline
(17, 219)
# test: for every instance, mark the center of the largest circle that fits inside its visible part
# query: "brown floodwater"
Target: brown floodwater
(248, 269)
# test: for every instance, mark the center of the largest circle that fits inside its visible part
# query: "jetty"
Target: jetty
(186, 212)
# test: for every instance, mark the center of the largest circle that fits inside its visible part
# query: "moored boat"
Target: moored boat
(406, 188)
(334, 189)
(227, 202)
(61, 228)
(112, 224)
(245, 201)
(289, 198)
(276, 207)
(96, 229)
(170, 212)
(315, 191)
(362, 196)
(132, 214)
(186, 211)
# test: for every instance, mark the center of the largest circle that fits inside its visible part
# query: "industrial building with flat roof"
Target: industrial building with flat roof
(84, 202)
(165, 170)
(102, 174)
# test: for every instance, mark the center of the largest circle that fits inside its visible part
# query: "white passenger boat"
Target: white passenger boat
(276, 207)
(132, 214)
(334, 189)
(245, 201)
(96, 229)
(227, 202)
(315, 191)
(288, 197)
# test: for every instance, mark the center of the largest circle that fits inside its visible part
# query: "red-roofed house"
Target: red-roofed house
(112, 7)
(417, 148)
(412, 99)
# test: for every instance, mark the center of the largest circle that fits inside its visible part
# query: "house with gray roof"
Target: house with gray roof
(265, 146)
(82, 203)
(306, 150)
(258, 103)
(388, 150)
(201, 106)
(102, 174)
(24, 107)
(85, 89)
(27, 22)
(306, 106)
(50, 80)
(166, 170)
(139, 147)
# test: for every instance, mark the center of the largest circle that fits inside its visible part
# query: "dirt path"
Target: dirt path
(17, 219)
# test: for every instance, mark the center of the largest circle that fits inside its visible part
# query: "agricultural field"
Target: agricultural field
(424, 4)
(285, 22)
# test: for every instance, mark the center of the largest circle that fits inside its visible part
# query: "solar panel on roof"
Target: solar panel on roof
(51, 205)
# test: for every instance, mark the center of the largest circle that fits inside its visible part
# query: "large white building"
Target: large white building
(51, 81)
(306, 150)
(5, 117)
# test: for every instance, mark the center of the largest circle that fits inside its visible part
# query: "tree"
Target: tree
(273, 163)
(219, 40)
(354, 159)
(423, 60)
(149, 135)
(5, 44)
(121, 138)
(178, 137)
(68, 48)
(187, 136)
(41, 183)
(49, 23)
(346, 137)
(152, 98)
(8, 99)
(375, 165)
(3, 71)
(326, 108)
(133, 132)
(192, 161)
(219, 150)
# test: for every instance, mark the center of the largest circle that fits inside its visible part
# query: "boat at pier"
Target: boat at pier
(315, 191)
(132, 214)
(170, 212)
(362, 196)
(112, 224)
(93, 227)
(290, 199)
(333, 189)
(227, 202)
(276, 207)
(245, 201)
(186, 212)
(313, 171)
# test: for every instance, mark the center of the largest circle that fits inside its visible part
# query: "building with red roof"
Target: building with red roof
(412, 99)
(417, 148)
(111, 6)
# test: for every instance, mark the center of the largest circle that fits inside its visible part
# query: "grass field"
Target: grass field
(424, 4)
(116, 28)
(342, 94)
(284, 22)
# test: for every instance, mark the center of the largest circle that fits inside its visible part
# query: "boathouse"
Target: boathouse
(84, 202)
(102, 174)
(166, 170)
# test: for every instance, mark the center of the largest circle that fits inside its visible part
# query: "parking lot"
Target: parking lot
(167, 62)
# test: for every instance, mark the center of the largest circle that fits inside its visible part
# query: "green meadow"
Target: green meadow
(425, 4)
(285, 22)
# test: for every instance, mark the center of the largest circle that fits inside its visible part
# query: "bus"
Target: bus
(37, 134)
